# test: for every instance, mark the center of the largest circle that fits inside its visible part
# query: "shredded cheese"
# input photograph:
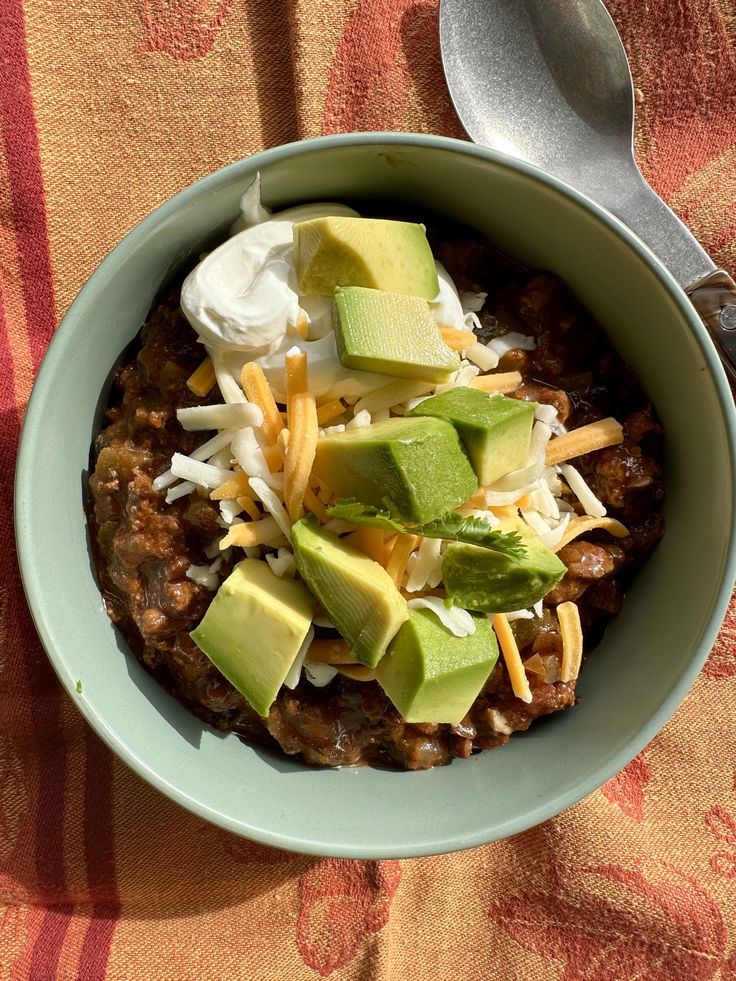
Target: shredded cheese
(312, 503)
(273, 456)
(504, 381)
(482, 356)
(577, 484)
(295, 365)
(303, 435)
(230, 415)
(234, 487)
(586, 439)
(250, 533)
(256, 387)
(512, 659)
(572, 641)
(370, 542)
(329, 652)
(579, 526)
(458, 621)
(248, 505)
(358, 672)
(202, 381)
(329, 411)
(458, 340)
(272, 504)
(200, 473)
(396, 566)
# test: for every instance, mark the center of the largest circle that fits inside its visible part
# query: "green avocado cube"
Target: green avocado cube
(390, 333)
(414, 468)
(478, 578)
(357, 593)
(372, 252)
(431, 675)
(495, 430)
(253, 630)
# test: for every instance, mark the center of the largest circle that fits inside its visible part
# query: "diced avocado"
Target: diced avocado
(414, 468)
(372, 252)
(357, 593)
(253, 629)
(390, 333)
(495, 430)
(480, 579)
(431, 675)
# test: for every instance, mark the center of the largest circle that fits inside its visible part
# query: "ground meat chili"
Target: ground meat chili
(143, 547)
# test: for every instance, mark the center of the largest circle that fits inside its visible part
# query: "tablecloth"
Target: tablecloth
(109, 107)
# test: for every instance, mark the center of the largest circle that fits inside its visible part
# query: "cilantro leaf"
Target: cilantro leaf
(356, 513)
(451, 526)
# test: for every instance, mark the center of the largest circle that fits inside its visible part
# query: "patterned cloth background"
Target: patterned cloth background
(108, 107)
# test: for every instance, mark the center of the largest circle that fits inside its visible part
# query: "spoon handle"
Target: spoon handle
(712, 291)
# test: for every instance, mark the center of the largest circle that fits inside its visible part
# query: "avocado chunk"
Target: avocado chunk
(253, 630)
(414, 468)
(495, 430)
(431, 675)
(478, 578)
(357, 593)
(390, 333)
(372, 252)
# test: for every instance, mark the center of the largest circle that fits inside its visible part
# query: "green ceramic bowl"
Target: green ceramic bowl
(636, 678)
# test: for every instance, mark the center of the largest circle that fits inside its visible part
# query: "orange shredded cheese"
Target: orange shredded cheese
(370, 542)
(329, 652)
(329, 411)
(358, 672)
(458, 340)
(202, 381)
(312, 503)
(512, 659)
(248, 505)
(231, 489)
(296, 378)
(302, 325)
(388, 547)
(273, 456)
(396, 565)
(504, 381)
(303, 435)
(594, 436)
(572, 641)
(256, 387)
(250, 533)
(579, 526)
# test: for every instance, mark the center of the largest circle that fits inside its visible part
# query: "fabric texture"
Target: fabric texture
(107, 109)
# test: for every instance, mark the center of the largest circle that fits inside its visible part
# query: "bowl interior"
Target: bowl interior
(648, 657)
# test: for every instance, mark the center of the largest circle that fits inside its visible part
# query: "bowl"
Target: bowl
(649, 656)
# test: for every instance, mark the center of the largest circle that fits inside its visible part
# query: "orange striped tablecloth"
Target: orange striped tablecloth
(108, 108)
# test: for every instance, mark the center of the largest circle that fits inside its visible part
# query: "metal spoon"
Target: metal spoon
(548, 81)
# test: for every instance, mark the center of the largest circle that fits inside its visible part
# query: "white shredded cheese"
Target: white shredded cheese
(425, 565)
(577, 484)
(203, 576)
(535, 521)
(458, 621)
(232, 415)
(295, 671)
(472, 302)
(282, 563)
(511, 342)
(229, 388)
(538, 610)
(545, 413)
(519, 615)
(272, 504)
(331, 430)
(203, 452)
(229, 510)
(553, 537)
(180, 490)
(466, 374)
(499, 723)
(360, 420)
(319, 674)
(483, 356)
(200, 473)
(213, 549)
(249, 456)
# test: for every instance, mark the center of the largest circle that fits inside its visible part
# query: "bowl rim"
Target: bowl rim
(24, 476)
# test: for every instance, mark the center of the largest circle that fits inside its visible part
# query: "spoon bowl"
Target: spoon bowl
(548, 82)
